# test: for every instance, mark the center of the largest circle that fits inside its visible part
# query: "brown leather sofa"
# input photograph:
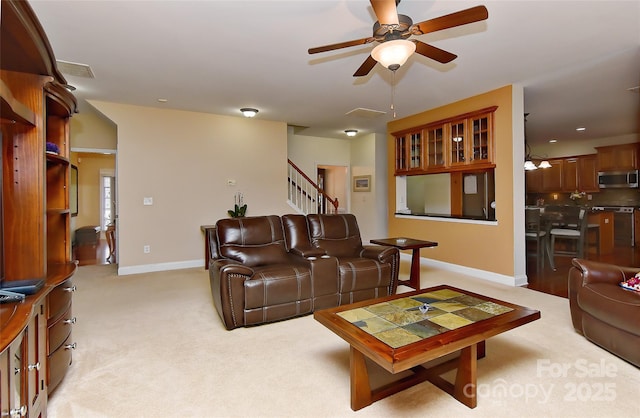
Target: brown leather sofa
(602, 311)
(268, 268)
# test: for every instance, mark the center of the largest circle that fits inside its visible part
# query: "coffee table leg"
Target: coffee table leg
(360, 387)
(466, 377)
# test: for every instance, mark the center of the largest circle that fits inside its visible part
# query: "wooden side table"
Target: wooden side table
(408, 244)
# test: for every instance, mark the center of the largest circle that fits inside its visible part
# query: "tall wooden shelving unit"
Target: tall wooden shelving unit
(35, 335)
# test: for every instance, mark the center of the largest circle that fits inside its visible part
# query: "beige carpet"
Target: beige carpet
(152, 345)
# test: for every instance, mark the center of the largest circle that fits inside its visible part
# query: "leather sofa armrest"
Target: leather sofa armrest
(596, 272)
(378, 252)
(308, 252)
(232, 267)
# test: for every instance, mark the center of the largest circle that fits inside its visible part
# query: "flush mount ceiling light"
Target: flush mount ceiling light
(249, 112)
(351, 132)
(581, 129)
(393, 54)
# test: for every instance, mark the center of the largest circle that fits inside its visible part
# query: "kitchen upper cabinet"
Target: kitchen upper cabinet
(565, 175)
(570, 174)
(449, 145)
(533, 181)
(619, 157)
(435, 147)
(588, 173)
(410, 152)
(552, 176)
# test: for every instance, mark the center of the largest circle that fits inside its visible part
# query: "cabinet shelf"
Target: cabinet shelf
(13, 110)
(56, 159)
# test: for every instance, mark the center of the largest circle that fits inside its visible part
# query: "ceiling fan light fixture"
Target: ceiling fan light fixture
(544, 164)
(249, 112)
(393, 54)
(529, 165)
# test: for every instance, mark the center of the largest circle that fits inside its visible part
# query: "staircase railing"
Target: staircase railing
(306, 195)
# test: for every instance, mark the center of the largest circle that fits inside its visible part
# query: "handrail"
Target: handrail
(325, 196)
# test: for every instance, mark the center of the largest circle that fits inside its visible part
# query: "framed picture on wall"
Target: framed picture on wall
(361, 183)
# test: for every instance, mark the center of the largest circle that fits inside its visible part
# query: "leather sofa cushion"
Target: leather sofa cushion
(253, 241)
(611, 304)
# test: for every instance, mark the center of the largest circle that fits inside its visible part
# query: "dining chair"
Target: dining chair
(535, 232)
(572, 230)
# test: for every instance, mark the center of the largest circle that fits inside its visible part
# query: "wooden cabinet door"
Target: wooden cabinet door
(552, 177)
(401, 155)
(533, 181)
(569, 174)
(435, 153)
(457, 143)
(618, 157)
(481, 139)
(415, 151)
(36, 360)
(588, 173)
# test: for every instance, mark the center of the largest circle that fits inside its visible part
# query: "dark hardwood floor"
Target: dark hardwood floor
(93, 254)
(556, 282)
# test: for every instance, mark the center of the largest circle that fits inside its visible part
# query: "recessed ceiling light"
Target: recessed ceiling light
(553, 141)
(163, 100)
(581, 129)
(351, 132)
(635, 89)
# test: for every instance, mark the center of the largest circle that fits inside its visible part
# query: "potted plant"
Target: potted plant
(239, 208)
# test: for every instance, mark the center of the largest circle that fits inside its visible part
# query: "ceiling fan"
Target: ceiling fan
(392, 30)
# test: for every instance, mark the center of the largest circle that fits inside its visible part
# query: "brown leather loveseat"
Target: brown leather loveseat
(602, 311)
(268, 268)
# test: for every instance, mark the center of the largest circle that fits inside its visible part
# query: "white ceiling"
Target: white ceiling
(575, 59)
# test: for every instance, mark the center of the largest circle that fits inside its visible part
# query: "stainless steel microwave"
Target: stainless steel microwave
(618, 179)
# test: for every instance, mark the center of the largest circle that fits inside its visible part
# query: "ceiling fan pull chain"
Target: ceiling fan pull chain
(393, 92)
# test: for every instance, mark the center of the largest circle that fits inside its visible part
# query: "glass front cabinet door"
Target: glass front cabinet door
(409, 152)
(481, 143)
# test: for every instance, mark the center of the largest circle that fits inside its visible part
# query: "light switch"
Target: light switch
(147, 201)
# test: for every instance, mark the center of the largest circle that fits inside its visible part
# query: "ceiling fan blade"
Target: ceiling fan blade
(385, 11)
(434, 53)
(474, 14)
(340, 45)
(366, 66)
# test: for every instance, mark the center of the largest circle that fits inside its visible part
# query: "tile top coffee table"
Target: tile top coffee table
(402, 332)
(408, 244)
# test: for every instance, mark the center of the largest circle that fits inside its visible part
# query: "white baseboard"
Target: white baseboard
(149, 268)
(481, 274)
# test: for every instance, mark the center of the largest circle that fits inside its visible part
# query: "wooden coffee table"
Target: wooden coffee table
(397, 333)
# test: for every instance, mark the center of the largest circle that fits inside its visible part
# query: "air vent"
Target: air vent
(75, 69)
(361, 112)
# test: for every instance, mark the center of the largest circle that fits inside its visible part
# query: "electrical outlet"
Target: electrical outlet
(146, 249)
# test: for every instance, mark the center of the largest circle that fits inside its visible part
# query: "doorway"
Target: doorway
(334, 180)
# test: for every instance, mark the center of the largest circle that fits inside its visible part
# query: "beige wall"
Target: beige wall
(183, 161)
(92, 130)
(362, 155)
(495, 248)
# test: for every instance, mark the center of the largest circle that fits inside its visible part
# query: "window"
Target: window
(107, 199)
